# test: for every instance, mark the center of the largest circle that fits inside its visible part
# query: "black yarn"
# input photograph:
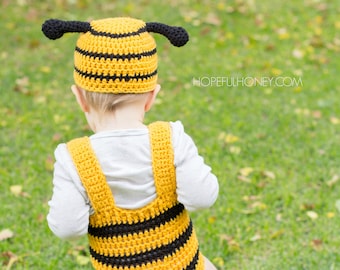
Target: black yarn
(54, 29)
(178, 36)
(137, 227)
(148, 256)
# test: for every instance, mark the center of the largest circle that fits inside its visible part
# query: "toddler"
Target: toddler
(129, 186)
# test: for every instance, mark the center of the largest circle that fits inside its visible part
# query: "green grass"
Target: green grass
(282, 214)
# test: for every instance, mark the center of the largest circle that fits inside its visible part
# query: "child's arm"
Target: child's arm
(68, 216)
(197, 187)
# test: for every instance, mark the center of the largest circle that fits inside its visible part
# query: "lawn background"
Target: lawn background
(274, 149)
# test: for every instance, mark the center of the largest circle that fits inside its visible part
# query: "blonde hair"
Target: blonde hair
(109, 102)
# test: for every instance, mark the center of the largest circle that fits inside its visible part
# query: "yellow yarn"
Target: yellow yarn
(157, 236)
(117, 56)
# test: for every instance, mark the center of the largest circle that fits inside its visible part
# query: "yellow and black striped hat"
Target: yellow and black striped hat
(115, 55)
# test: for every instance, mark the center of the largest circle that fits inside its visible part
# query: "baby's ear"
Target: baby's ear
(151, 98)
(177, 35)
(79, 94)
(54, 29)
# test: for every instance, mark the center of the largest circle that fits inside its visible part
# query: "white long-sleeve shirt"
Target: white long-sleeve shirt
(125, 158)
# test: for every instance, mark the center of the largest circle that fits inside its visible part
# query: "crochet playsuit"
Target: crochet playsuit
(159, 235)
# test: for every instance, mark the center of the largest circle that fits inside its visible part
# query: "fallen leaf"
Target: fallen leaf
(213, 19)
(277, 234)
(190, 15)
(21, 85)
(307, 206)
(261, 184)
(229, 35)
(317, 114)
(256, 237)
(333, 181)
(10, 25)
(22, 3)
(11, 258)
(278, 217)
(32, 14)
(235, 150)
(298, 89)
(232, 244)
(337, 24)
(312, 215)
(316, 244)
(246, 171)
(205, 31)
(244, 179)
(322, 152)
(16, 190)
(33, 44)
(56, 137)
(251, 198)
(270, 47)
(80, 254)
(276, 71)
(282, 33)
(305, 112)
(230, 138)
(82, 260)
(49, 163)
(40, 99)
(258, 205)
(248, 211)
(319, 19)
(259, 20)
(211, 219)
(334, 120)
(5, 3)
(6, 234)
(218, 261)
(45, 69)
(330, 214)
(269, 174)
(299, 73)
(317, 31)
(298, 54)
(57, 118)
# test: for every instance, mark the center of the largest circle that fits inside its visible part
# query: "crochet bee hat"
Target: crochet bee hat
(115, 55)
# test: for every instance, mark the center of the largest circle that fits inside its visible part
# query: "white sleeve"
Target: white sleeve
(197, 187)
(69, 211)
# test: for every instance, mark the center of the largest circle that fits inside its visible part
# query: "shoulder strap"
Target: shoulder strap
(91, 174)
(162, 158)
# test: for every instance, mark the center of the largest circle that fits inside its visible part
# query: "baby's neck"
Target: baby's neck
(126, 118)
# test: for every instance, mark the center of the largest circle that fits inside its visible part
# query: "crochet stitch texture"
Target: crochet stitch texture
(115, 55)
(157, 236)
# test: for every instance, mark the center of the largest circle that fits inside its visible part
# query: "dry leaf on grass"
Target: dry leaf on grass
(10, 259)
(16, 190)
(6, 234)
(312, 215)
(333, 181)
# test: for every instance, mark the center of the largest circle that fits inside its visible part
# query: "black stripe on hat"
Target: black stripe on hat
(193, 263)
(120, 35)
(114, 77)
(150, 256)
(116, 56)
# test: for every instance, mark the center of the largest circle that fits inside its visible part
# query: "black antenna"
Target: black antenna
(54, 29)
(178, 36)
